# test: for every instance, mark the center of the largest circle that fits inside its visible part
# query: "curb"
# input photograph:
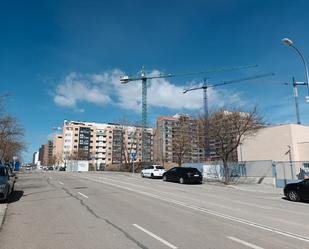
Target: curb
(3, 208)
(272, 191)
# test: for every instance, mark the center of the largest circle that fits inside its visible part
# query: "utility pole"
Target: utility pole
(295, 95)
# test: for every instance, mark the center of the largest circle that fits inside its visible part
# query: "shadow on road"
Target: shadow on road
(15, 196)
(287, 199)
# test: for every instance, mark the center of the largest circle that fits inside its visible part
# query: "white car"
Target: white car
(153, 171)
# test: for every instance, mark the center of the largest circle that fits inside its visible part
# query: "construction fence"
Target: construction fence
(261, 172)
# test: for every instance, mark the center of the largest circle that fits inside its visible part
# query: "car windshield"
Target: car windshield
(2, 171)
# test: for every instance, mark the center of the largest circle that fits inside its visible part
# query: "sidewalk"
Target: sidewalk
(259, 188)
(3, 207)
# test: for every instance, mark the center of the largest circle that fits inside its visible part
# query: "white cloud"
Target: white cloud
(105, 89)
(77, 88)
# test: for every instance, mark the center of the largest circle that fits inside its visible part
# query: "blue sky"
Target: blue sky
(62, 59)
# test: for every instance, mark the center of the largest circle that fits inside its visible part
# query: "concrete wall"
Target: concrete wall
(272, 143)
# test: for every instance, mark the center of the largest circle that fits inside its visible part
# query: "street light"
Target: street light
(289, 43)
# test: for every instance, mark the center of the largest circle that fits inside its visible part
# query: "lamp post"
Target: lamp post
(289, 43)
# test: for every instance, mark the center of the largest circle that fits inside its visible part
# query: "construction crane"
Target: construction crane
(205, 100)
(143, 77)
(295, 95)
(206, 86)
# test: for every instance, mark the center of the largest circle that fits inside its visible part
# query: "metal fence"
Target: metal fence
(293, 171)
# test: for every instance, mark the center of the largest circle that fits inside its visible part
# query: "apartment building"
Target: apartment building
(171, 131)
(35, 158)
(168, 133)
(104, 144)
(46, 153)
(58, 149)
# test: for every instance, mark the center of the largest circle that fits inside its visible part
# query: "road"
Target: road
(113, 210)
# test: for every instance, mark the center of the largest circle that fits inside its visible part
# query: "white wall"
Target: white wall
(271, 143)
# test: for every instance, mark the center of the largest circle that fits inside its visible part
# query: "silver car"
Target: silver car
(7, 181)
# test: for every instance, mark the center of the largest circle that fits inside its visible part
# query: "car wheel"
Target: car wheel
(142, 175)
(151, 176)
(181, 180)
(164, 178)
(293, 196)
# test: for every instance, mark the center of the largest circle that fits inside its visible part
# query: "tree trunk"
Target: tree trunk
(226, 172)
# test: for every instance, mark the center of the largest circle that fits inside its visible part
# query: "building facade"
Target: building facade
(46, 153)
(277, 143)
(176, 135)
(57, 152)
(35, 158)
(103, 144)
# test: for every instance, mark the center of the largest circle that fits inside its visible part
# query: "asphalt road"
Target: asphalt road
(112, 210)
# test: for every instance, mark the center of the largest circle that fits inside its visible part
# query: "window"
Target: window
(306, 165)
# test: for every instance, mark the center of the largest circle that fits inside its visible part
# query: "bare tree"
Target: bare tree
(128, 142)
(229, 129)
(57, 159)
(11, 135)
(79, 155)
(182, 139)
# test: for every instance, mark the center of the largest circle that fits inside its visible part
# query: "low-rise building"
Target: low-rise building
(287, 145)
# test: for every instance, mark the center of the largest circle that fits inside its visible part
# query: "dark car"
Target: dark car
(183, 175)
(7, 181)
(297, 191)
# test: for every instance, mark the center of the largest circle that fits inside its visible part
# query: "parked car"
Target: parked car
(297, 191)
(183, 175)
(7, 181)
(50, 168)
(153, 171)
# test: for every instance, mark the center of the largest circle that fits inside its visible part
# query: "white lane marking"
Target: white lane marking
(156, 237)
(83, 194)
(50, 177)
(211, 212)
(61, 183)
(244, 243)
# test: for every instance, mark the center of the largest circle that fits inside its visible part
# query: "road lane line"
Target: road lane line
(61, 183)
(244, 243)
(83, 194)
(208, 211)
(156, 237)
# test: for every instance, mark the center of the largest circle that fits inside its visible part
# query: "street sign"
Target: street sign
(133, 155)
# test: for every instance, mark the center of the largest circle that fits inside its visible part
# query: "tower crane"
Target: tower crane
(205, 99)
(143, 77)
